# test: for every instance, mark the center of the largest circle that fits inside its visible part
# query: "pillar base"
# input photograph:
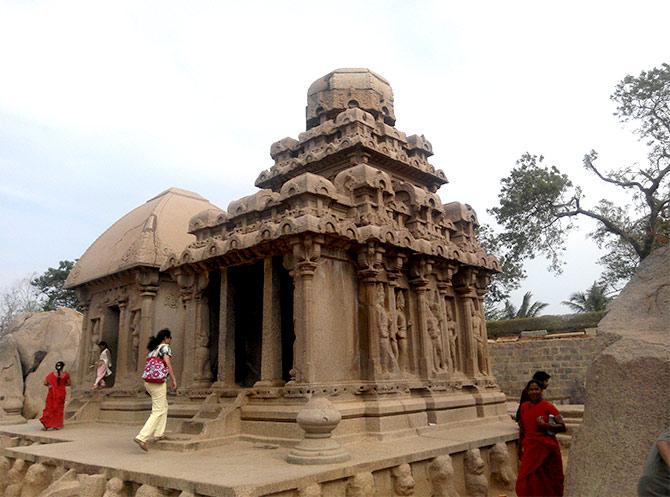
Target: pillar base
(317, 451)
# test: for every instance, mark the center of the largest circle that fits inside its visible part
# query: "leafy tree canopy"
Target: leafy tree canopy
(51, 287)
(593, 300)
(546, 203)
(527, 309)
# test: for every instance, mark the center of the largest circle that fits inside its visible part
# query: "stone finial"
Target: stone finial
(115, 488)
(361, 485)
(318, 418)
(313, 490)
(343, 89)
(403, 481)
(502, 472)
(476, 484)
(441, 474)
(35, 481)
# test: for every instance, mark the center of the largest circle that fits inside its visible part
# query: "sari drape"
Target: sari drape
(52, 416)
(541, 470)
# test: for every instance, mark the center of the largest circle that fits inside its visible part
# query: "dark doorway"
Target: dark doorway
(287, 331)
(213, 294)
(248, 313)
(110, 334)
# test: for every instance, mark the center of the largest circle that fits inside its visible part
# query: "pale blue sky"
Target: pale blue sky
(105, 104)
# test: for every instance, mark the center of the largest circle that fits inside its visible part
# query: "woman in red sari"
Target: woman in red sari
(52, 417)
(541, 469)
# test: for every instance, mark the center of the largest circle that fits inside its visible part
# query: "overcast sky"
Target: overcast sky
(105, 104)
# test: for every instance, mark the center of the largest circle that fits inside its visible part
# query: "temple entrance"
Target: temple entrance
(110, 334)
(248, 315)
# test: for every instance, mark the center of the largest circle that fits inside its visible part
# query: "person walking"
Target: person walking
(655, 479)
(541, 465)
(541, 376)
(57, 380)
(103, 366)
(157, 369)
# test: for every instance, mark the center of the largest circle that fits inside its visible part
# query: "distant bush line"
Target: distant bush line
(553, 324)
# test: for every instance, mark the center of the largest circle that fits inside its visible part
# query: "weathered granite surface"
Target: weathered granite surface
(628, 399)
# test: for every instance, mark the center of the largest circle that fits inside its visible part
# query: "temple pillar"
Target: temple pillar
(226, 370)
(481, 288)
(306, 253)
(123, 345)
(271, 348)
(148, 283)
(202, 374)
(186, 282)
(369, 270)
(84, 343)
(420, 271)
(447, 319)
(466, 293)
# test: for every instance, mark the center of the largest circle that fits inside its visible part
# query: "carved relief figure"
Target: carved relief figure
(202, 362)
(433, 326)
(402, 327)
(95, 338)
(403, 481)
(452, 337)
(388, 360)
(502, 472)
(134, 339)
(476, 484)
(480, 340)
(15, 478)
(441, 474)
(35, 481)
(361, 485)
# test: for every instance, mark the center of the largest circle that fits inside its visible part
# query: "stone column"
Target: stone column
(466, 293)
(420, 271)
(148, 283)
(271, 365)
(306, 253)
(445, 290)
(226, 373)
(84, 344)
(369, 269)
(482, 284)
(123, 344)
(202, 376)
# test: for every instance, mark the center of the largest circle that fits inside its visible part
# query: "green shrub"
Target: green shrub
(553, 324)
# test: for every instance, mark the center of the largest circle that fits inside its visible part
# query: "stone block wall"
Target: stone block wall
(565, 359)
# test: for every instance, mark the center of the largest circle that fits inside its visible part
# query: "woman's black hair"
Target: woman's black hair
(59, 367)
(103, 345)
(158, 339)
(541, 375)
(535, 382)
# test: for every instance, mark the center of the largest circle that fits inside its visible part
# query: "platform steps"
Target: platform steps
(217, 421)
(573, 415)
(85, 408)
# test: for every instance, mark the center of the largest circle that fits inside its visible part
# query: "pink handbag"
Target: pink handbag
(155, 370)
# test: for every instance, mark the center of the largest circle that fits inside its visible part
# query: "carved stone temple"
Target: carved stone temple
(343, 276)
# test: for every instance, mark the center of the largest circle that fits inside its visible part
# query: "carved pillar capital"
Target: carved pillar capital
(370, 261)
(420, 270)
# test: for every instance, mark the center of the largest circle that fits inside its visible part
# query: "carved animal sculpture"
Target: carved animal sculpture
(501, 468)
(476, 484)
(403, 481)
(148, 491)
(115, 488)
(441, 474)
(35, 481)
(5, 465)
(361, 485)
(15, 478)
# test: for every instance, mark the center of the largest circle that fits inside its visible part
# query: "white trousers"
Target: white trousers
(155, 425)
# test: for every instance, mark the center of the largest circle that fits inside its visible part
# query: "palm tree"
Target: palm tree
(593, 300)
(527, 310)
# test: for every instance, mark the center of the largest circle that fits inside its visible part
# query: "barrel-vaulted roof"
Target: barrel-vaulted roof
(143, 237)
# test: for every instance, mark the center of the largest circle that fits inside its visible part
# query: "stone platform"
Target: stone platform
(246, 468)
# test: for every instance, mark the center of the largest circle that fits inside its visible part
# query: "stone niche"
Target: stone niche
(344, 275)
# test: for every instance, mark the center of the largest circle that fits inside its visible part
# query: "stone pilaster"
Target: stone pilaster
(226, 372)
(369, 271)
(84, 344)
(420, 270)
(202, 375)
(306, 254)
(123, 345)
(465, 288)
(148, 283)
(271, 348)
(186, 282)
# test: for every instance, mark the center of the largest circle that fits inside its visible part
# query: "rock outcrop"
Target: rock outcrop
(628, 400)
(29, 351)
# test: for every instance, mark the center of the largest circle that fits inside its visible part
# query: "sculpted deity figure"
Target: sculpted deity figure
(134, 339)
(202, 362)
(95, 338)
(476, 484)
(403, 481)
(388, 360)
(452, 337)
(441, 474)
(433, 326)
(480, 338)
(402, 327)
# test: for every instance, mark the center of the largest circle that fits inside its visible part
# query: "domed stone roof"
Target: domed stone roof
(143, 237)
(345, 88)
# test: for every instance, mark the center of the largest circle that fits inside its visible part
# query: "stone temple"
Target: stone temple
(343, 277)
